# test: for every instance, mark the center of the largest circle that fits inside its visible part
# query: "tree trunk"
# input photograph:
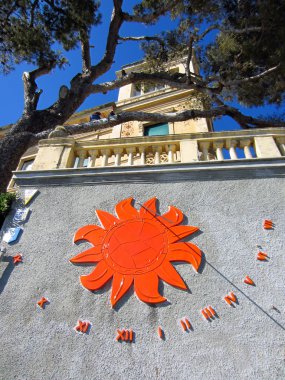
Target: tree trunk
(12, 147)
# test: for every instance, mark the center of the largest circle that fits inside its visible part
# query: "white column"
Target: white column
(157, 150)
(118, 152)
(231, 145)
(93, 154)
(130, 151)
(205, 145)
(245, 144)
(106, 153)
(171, 151)
(142, 150)
(82, 155)
(218, 145)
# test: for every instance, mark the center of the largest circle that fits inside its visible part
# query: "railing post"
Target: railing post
(106, 153)
(189, 150)
(231, 146)
(93, 155)
(281, 144)
(82, 154)
(118, 152)
(130, 151)
(218, 145)
(171, 150)
(265, 147)
(142, 150)
(56, 153)
(157, 150)
(245, 144)
(205, 145)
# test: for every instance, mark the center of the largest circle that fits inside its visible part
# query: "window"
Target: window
(145, 88)
(27, 165)
(157, 130)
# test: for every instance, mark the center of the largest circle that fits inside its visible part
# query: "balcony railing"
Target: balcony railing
(159, 150)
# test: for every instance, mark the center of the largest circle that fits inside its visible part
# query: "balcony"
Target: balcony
(195, 152)
(160, 150)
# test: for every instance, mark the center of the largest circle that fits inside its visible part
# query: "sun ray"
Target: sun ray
(172, 217)
(121, 284)
(169, 274)
(137, 247)
(179, 232)
(185, 252)
(148, 209)
(125, 209)
(146, 288)
(99, 277)
(91, 233)
(92, 255)
(107, 220)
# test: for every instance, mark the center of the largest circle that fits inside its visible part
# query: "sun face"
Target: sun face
(137, 248)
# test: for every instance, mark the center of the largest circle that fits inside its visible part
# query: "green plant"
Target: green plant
(6, 200)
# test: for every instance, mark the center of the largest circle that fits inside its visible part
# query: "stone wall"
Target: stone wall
(245, 341)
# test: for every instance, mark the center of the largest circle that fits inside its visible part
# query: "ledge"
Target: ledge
(197, 171)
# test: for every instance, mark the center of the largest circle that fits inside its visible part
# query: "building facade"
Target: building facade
(131, 306)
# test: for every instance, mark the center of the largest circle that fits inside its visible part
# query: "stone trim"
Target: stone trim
(203, 171)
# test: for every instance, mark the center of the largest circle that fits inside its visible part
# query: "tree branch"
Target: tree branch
(252, 78)
(31, 93)
(244, 30)
(112, 40)
(189, 58)
(143, 38)
(85, 51)
(147, 19)
(246, 121)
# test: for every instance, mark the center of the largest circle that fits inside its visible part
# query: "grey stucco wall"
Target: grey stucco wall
(246, 341)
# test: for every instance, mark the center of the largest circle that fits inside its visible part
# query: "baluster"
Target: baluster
(245, 144)
(157, 149)
(205, 145)
(106, 153)
(118, 152)
(171, 151)
(131, 151)
(82, 155)
(218, 145)
(231, 145)
(93, 155)
(142, 150)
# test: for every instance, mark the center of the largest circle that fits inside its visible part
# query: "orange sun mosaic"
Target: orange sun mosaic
(137, 248)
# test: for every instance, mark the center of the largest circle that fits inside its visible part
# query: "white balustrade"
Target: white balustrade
(130, 152)
(118, 152)
(105, 155)
(171, 152)
(218, 146)
(245, 144)
(82, 154)
(161, 150)
(93, 153)
(157, 151)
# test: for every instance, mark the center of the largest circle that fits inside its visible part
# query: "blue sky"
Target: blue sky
(11, 94)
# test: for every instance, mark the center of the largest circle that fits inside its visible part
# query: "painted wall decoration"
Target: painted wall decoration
(12, 235)
(21, 215)
(125, 336)
(29, 195)
(42, 302)
(82, 326)
(17, 259)
(137, 247)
